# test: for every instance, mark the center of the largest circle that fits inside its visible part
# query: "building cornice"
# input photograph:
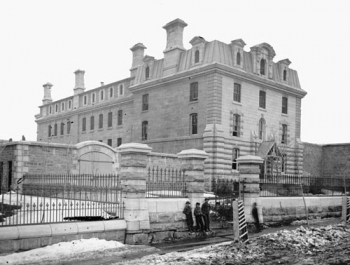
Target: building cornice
(222, 69)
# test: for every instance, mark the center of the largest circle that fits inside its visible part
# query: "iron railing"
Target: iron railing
(165, 183)
(298, 185)
(61, 198)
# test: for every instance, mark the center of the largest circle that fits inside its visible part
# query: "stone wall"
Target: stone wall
(336, 159)
(313, 159)
(288, 209)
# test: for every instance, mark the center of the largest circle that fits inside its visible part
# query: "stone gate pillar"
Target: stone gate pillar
(249, 170)
(193, 164)
(133, 176)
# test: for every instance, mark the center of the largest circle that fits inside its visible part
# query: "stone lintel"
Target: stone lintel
(193, 154)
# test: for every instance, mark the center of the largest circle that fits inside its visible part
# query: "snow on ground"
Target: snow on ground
(59, 250)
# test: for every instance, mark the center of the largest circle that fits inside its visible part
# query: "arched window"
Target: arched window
(284, 75)
(236, 125)
(93, 97)
(196, 56)
(50, 131)
(55, 129)
(235, 155)
(85, 100)
(238, 58)
(144, 130)
(62, 106)
(69, 104)
(111, 92)
(92, 122)
(262, 66)
(101, 95)
(261, 129)
(147, 72)
(121, 90)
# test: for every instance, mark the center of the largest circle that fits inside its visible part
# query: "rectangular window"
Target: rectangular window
(119, 141)
(235, 155)
(194, 123)
(237, 92)
(62, 128)
(236, 125)
(109, 142)
(262, 99)
(120, 117)
(92, 123)
(284, 134)
(55, 130)
(100, 121)
(110, 119)
(84, 125)
(68, 126)
(50, 131)
(194, 91)
(145, 102)
(144, 130)
(284, 105)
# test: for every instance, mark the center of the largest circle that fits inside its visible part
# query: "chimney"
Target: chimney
(102, 83)
(47, 93)
(138, 51)
(174, 46)
(79, 82)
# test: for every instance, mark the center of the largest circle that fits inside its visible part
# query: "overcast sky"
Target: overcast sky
(46, 41)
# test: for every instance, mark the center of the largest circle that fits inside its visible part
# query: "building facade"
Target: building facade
(214, 96)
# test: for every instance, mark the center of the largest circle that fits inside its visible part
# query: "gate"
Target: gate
(225, 192)
(346, 209)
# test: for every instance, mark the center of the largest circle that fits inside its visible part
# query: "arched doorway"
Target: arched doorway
(96, 158)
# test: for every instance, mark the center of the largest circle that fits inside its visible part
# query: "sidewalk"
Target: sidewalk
(226, 236)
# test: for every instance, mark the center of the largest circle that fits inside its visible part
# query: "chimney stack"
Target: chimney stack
(47, 93)
(138, 51)
(174, 46)
(79, 82)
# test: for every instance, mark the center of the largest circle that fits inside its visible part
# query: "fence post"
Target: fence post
(193, 165)
(133, 176)
(249, 169)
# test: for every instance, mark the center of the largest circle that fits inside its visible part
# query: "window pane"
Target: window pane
(120, 117)
(262, 99)
(119, 141)
(100, 121)
(144, 130)
(92, 122)
(145, 102)
(110, 119)
(236, 125)
(194, 123)
(237, 92)
(194, 91)
(284, 105)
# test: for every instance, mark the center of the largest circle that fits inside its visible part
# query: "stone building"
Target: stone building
(214, 96)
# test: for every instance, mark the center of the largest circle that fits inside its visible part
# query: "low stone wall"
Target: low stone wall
(25, 237)
(288, 209)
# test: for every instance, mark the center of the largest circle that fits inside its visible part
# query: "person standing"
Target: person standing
(255, 215)
(205, 212)
(189, 219)
(199, 219)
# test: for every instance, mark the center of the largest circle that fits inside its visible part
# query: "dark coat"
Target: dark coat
(205, 207)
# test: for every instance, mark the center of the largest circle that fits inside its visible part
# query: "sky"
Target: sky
(46, 41)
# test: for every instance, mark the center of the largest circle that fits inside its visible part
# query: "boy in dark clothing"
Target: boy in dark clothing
(199, 220)
(189, 219)
(205, 212)
(256, 217)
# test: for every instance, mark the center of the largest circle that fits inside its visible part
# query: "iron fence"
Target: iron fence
(298, 185)
(61, 198)
(165, 183)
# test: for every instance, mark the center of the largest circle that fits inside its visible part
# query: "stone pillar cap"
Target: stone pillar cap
(134, 148)
(250, 159)
(193, 153)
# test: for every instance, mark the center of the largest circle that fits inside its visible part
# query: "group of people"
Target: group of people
(201, 214)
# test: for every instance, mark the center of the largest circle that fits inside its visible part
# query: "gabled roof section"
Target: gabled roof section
(266, 46)
(238, 42)
(197, 40)
(285, 61)
(266, 148)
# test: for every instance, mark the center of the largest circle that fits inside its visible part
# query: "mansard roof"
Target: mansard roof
(266, 46)
(218, 52)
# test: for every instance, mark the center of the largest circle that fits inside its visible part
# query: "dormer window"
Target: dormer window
(121, 90)
(56, 108)
(69, 104)
(101, 94)
(62, 106)
(238, 58)
(262, 66)
(147, 72)
(93, 97)
(196, 56)
(111, 92)
(284, 75)
(85, 100)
